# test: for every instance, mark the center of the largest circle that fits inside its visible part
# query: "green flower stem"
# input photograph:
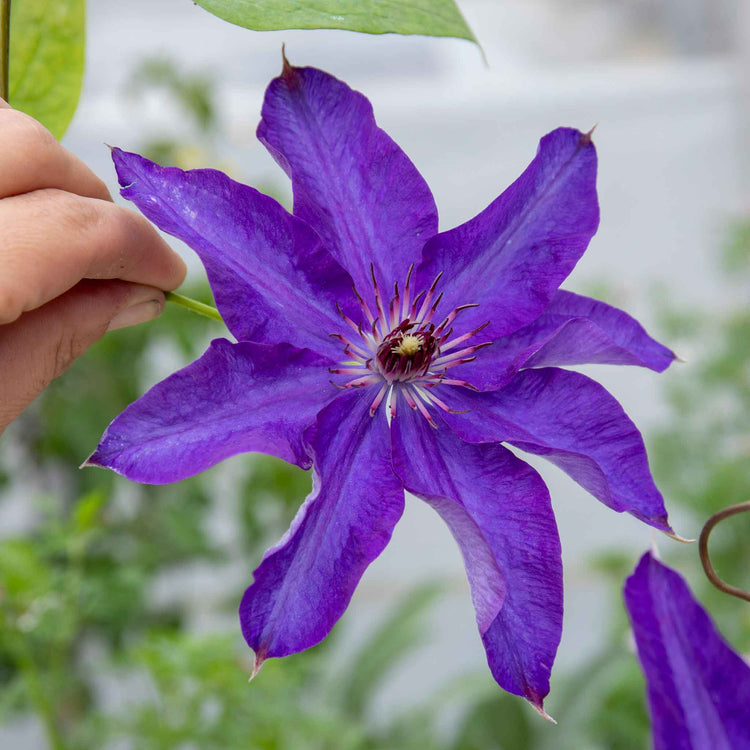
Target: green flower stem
(4, 47)
(191, 304)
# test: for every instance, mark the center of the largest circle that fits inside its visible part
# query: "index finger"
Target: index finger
(51, 239)
(31, 159)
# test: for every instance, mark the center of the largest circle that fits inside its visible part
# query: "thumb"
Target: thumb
(43, 343)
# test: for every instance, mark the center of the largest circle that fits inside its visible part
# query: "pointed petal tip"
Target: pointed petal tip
(537, 702)
(538, 707)
(672, 535)
(586, 137)
(677, 358)
(95, 462)
(661, 523)
(287, 69)
(89, 462)
(257, 664)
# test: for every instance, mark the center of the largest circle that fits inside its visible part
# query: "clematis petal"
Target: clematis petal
(511, 258)
(272, 279)
(499, 512)
(576, 424)
(698, 687)
(304, 584)
(235, 398)
(595, 332)
(351, 182)
(573, 330)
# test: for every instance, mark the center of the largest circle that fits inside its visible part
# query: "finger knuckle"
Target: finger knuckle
(77, 215)
(24, 133)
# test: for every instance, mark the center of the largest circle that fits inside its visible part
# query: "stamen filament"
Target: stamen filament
(413, 311)
(409, 399)
(363, 381)
(382, 320)
(423, 411)
(365, 308)
(346, 318)
(428, 298)
(358, 358)
(346, 370)
(350, 345)
(460, 339)
(378, 399)
(451, 317)
(451, 381)
(399, 349)
(456, 355)
(433, 308)
(407, 291)
(457, 362)
(393, 308)
(430, 398)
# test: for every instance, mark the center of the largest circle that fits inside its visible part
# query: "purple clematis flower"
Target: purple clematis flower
(391, 357)
(698, 687)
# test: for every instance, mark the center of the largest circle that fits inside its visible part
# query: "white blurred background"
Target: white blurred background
(666, 82)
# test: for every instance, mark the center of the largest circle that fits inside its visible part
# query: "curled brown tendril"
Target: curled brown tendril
(703, 549)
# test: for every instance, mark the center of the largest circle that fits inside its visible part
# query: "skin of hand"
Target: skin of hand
(73, 265)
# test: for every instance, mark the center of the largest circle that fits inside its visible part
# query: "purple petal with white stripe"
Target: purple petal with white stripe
(305, 583)
(698, 687)
(499, 512)
(235, 398)
(351, 182)
(576, 424)
(272, 279)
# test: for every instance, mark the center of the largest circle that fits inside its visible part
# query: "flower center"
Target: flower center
(402, 351)
(408, 346)
(406, 352)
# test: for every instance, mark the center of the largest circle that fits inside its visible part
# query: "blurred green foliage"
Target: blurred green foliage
(193, 95)
(79, 612)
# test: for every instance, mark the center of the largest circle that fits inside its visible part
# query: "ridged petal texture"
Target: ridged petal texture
(498, 510)
(272, 279)
(698, 687)
(304, 584)
(576, 424)
(572, 330)
(511, 258)
(235, 398)
(351, 182)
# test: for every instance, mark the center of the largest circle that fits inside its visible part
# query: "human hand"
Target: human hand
(73, 265)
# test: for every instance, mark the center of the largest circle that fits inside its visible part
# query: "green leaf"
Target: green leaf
(46, 59)
(428, 17)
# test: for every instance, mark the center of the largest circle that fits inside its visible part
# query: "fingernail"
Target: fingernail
(139, 313)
